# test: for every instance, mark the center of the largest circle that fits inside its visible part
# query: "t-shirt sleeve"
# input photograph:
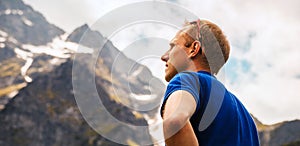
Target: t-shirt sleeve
(186, 81)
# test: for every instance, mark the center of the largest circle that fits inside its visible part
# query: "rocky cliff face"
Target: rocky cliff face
(20, 26)
(45, 113)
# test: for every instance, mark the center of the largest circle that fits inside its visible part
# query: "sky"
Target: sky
(263, 70)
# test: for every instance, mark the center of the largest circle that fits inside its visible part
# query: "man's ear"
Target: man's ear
(195, 49)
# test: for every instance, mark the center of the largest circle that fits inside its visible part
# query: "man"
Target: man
(197, 108)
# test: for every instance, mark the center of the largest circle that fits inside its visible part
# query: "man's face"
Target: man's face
(176, 57)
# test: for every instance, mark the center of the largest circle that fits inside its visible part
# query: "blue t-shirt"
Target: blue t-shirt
(220, 118)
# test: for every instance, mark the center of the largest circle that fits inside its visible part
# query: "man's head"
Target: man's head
(199, 45)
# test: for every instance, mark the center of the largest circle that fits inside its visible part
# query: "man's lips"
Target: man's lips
(166, 68)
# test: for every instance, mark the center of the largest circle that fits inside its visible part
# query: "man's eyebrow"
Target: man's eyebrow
(171, 44)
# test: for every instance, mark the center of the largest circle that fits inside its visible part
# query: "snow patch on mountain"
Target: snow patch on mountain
(2, 39)
(23, 54)
(59, 43)
(27, 22)
(3, 33)
(2, 45)
(143, 97)
(46, 50)
(11, 12)
(25, 68)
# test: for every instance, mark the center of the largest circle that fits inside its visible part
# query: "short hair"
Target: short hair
(213, 42)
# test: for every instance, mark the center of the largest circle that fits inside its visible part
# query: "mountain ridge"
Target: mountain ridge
(43, 110)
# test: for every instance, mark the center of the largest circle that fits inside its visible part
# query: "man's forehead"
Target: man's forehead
(178, 37)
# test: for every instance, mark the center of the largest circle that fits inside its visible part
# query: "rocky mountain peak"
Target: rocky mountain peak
(24, 24)
(85, 36)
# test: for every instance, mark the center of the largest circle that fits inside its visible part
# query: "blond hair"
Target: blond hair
(213, 42)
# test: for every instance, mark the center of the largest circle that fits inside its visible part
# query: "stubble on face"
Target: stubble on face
(170, 72)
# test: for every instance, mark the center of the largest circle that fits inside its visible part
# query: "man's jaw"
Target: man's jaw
(170, 72)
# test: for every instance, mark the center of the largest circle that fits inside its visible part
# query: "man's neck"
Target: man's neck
(195, 67)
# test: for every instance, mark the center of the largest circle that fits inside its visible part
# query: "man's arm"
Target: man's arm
(179, 107)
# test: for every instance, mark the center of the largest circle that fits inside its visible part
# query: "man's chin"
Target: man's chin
(169, 76)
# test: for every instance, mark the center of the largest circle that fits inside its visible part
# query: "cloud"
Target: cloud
(145, 43)
(263, 69)
(269, 88)
(66, 14)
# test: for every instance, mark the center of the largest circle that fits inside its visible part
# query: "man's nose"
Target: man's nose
(165, 57)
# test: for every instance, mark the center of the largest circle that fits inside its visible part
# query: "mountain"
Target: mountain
(37, 102)
(45, 113)
(29, 26)
(281, 134)
(125, 75)
(20, 26)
